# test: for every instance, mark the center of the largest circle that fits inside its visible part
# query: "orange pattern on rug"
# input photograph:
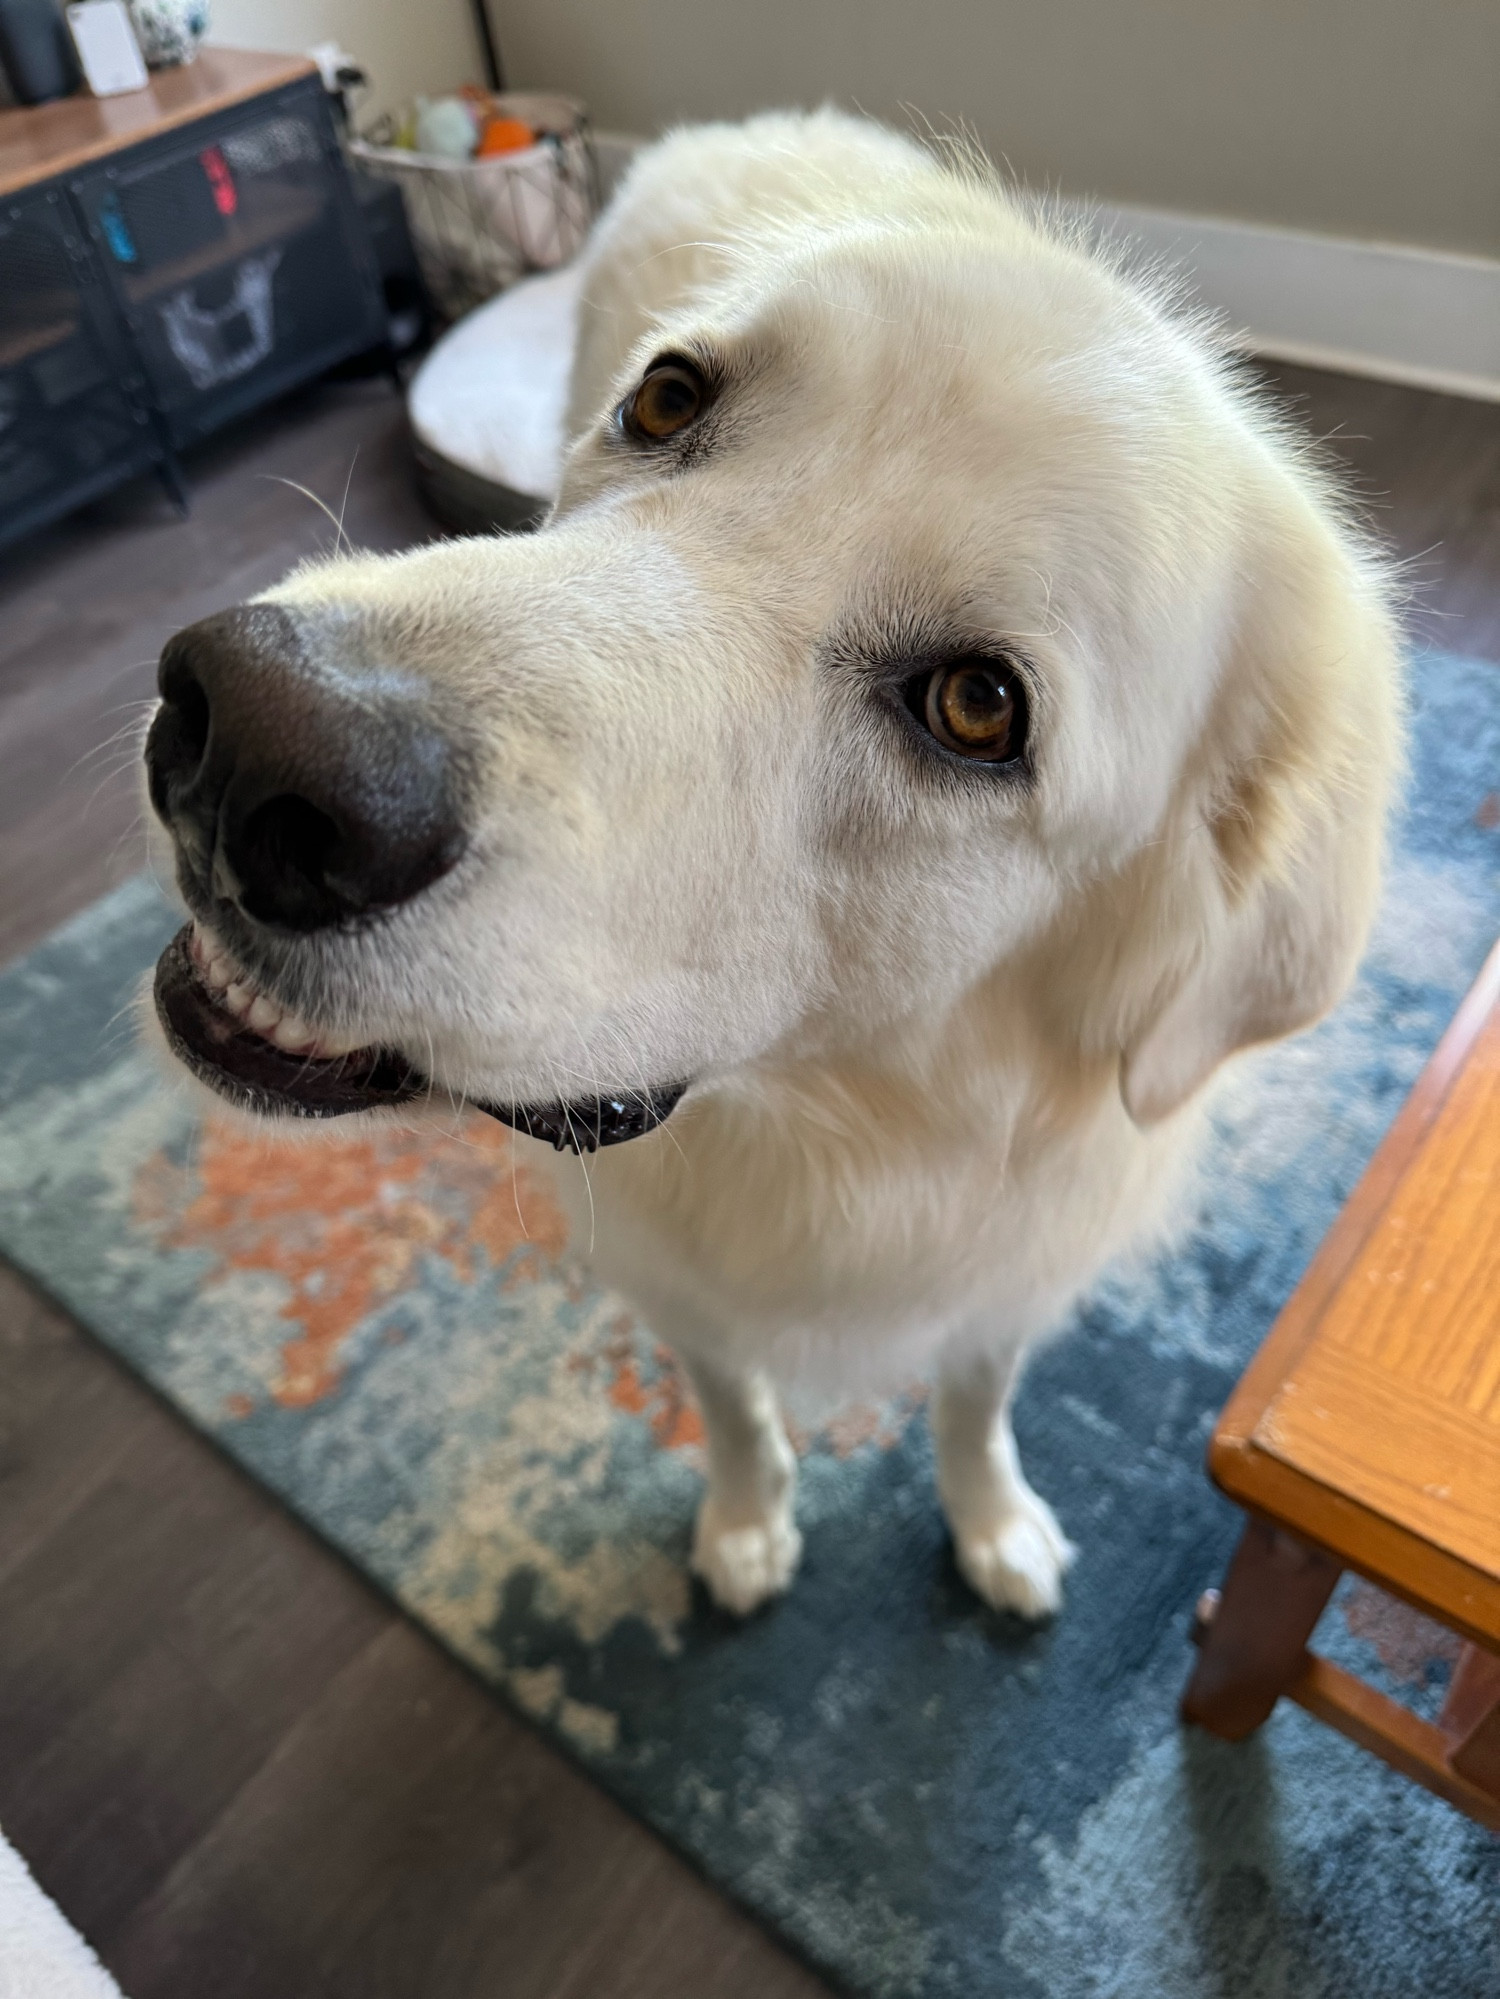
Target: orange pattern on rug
(346, 1222)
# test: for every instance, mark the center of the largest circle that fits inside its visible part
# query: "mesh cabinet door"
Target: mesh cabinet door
(70, 424)
(235, 254)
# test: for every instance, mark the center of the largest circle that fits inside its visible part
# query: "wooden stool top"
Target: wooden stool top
(1369, 1422)
(38, 141)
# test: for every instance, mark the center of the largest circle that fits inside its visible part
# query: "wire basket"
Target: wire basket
(480, 224)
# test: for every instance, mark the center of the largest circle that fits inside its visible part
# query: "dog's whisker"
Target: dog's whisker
(130, 736)
(515, 1186)
(110, 777)
(344, 503)
(307, 493)
(138, 829)
(580, 1150)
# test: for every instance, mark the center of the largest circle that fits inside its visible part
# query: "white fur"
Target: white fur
(947, 1034)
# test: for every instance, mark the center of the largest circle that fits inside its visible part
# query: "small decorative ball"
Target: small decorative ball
(445, 127)
(505, 135)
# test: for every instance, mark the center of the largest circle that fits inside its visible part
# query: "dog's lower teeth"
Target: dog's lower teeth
(233, 990)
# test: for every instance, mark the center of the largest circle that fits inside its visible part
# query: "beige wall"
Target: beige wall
(1373, 118)
(405, 46)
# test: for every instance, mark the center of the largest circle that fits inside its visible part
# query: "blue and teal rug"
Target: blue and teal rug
(922, 1797)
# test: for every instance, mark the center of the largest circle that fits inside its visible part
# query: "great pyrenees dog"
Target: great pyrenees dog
(943, 718)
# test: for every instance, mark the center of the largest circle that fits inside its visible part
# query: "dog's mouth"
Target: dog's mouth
(258, 1055)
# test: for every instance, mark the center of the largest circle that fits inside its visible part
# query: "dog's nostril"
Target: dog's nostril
(191, 717)
(178, 738)
(286, 853)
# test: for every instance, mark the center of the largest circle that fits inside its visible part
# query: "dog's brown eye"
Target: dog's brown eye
(976, 708)
(671, 395)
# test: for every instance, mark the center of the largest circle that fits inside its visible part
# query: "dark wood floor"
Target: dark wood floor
(240, 1773)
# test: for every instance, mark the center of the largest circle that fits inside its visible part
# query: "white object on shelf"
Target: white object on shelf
(107, 47)
(331, 57)
(169, 31)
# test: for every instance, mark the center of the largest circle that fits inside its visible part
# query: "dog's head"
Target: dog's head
(930, 602)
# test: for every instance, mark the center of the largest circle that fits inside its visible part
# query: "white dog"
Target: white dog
(943, 718)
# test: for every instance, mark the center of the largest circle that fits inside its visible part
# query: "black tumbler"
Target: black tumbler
(36, 51)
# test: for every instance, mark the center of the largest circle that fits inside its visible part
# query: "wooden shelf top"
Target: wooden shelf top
(1370, 1419)
(39, 141)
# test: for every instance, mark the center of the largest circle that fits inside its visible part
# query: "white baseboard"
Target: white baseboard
(1428, 318)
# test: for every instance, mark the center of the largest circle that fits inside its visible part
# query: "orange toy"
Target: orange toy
(504, 135)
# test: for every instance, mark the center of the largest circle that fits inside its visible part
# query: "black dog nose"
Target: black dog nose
(310, 790)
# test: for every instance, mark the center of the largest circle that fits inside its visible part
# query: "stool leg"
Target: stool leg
(1255, 1638)
(1471, 1719)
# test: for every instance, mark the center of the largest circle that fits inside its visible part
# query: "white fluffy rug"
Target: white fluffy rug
(41, 1955)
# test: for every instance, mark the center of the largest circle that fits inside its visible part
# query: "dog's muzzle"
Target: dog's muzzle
(308, 790)
(249, 1070)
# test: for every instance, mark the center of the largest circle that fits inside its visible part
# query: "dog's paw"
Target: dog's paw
(1019, 1565)
(745, 1566)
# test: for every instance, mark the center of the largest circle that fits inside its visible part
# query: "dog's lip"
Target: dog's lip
(246, 1066)
(284, 1068)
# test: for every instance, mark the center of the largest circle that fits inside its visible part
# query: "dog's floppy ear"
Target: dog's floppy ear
(1280, 862)
(1276, 964)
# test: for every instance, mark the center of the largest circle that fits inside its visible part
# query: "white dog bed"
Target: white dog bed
(487, 407)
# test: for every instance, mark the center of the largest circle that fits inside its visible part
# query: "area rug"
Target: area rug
(923, 1798)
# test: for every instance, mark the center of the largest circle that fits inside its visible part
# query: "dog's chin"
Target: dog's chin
(262, 1060)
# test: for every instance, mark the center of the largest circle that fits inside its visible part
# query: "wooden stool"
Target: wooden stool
(1366, 1435)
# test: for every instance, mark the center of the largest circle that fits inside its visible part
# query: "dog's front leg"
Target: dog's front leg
(746, 1546)
(1009, 1546)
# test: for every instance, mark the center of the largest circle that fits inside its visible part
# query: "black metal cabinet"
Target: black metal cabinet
(74, 419)
(236, 256)
(160, 293)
